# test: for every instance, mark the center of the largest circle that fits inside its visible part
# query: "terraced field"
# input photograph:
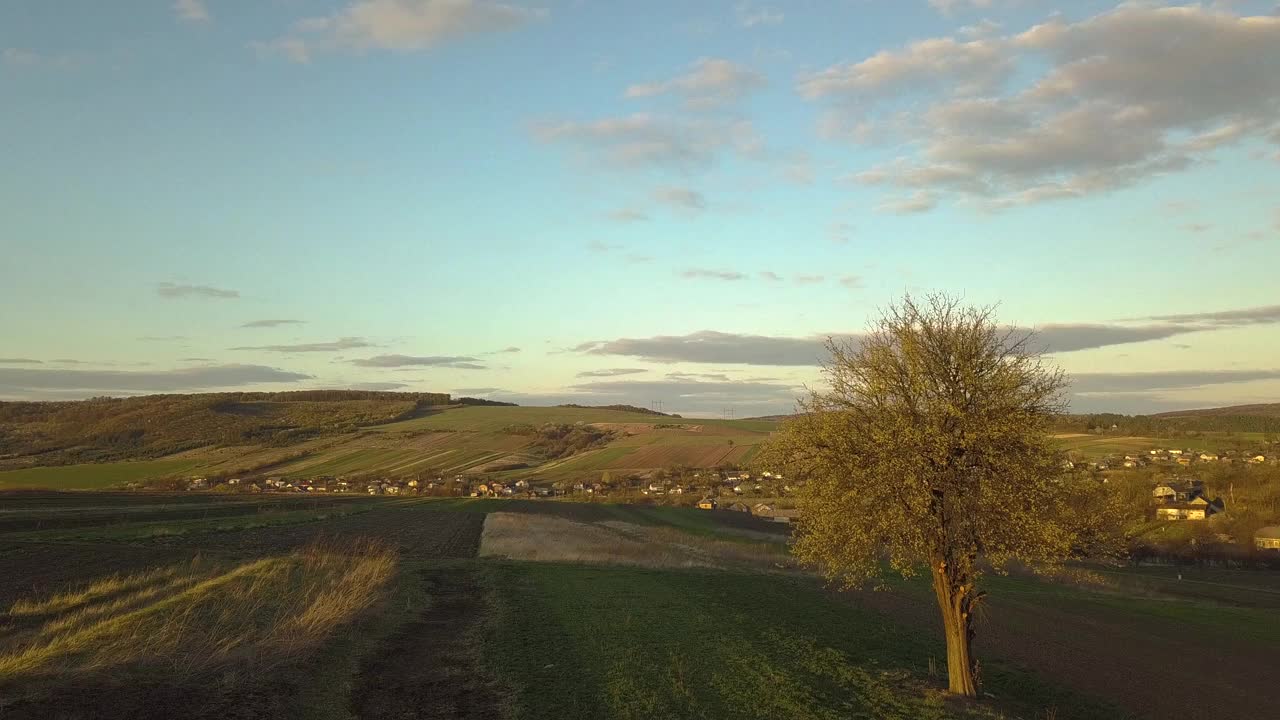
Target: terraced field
(445, 442)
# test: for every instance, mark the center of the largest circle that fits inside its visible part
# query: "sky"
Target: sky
(640, 202)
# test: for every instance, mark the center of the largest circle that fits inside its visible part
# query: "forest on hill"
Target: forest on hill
(105, 429)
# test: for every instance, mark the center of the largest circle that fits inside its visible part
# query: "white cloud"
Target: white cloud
(963, 68)
(705, 273)
(24, 382)
(19, 56)
(23, 57)
(918, 202)
(400, 26)
(749, 16)
(648, 141)
(191, 10)
(709, 83)
(627, 215)
(950, 7)
(1104, 103)
(681, 198)
(179, 290)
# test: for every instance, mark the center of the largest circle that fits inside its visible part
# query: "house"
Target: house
(198, 483)
(1267, 538)
(1175, 452)
(1258, 459)
(784, 516)
(522, 484)
(707, 504)
(1197, 508)
(1208, 457)
(1177, 490)
(233, 481)
(763, 509)
(740, 507)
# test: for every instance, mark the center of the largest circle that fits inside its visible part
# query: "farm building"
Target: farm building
(1177, 491)
(1267, 538)
(1198, 508)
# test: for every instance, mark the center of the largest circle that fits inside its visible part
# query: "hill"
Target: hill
(387, 436)
(152, 426)
(1270, 410)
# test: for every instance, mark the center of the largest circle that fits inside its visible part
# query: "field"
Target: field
(92, 476)
(446, 441)
(404, 607)
(441, 442)
(1087, 446)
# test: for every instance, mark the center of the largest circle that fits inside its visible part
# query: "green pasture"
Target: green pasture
(93, 476)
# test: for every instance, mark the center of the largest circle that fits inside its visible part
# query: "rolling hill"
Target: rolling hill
(1270, 410)
(371, 436)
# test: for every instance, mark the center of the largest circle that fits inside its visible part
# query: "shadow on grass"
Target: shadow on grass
(588, 642)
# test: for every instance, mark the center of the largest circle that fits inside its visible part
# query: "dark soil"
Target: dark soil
(430, 667)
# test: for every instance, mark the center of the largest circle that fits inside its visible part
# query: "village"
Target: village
(721, 489)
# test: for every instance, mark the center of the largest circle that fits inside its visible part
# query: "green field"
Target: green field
(638, 643)
(635, 632)
(93, 476)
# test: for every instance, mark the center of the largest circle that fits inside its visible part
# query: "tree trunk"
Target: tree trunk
(955, 600)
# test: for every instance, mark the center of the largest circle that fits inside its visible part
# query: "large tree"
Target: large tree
(931, 447)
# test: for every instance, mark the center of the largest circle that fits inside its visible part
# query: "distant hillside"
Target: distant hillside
(620, 408)
(102, 429)
(1270, 410)
(483, 402)
(1234, 419)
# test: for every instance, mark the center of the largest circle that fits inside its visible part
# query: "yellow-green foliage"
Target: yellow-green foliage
(196, 616)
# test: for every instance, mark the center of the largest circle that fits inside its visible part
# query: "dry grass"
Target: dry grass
(542, 538)
(196, 616)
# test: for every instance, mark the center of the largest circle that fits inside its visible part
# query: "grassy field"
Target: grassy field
(642, 643)
(477, 608)
(93, 476)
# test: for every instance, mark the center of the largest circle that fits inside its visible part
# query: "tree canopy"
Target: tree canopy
(931, 447)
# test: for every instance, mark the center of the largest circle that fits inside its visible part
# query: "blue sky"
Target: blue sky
(629, 202)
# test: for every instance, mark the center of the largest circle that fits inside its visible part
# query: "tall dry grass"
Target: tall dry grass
(197, 616)
(524, 536)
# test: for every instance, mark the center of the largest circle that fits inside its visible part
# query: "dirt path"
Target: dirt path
(1155, 675)
(429, 668)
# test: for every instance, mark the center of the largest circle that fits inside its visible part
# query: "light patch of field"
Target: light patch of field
(545, 538)
(188, 619)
